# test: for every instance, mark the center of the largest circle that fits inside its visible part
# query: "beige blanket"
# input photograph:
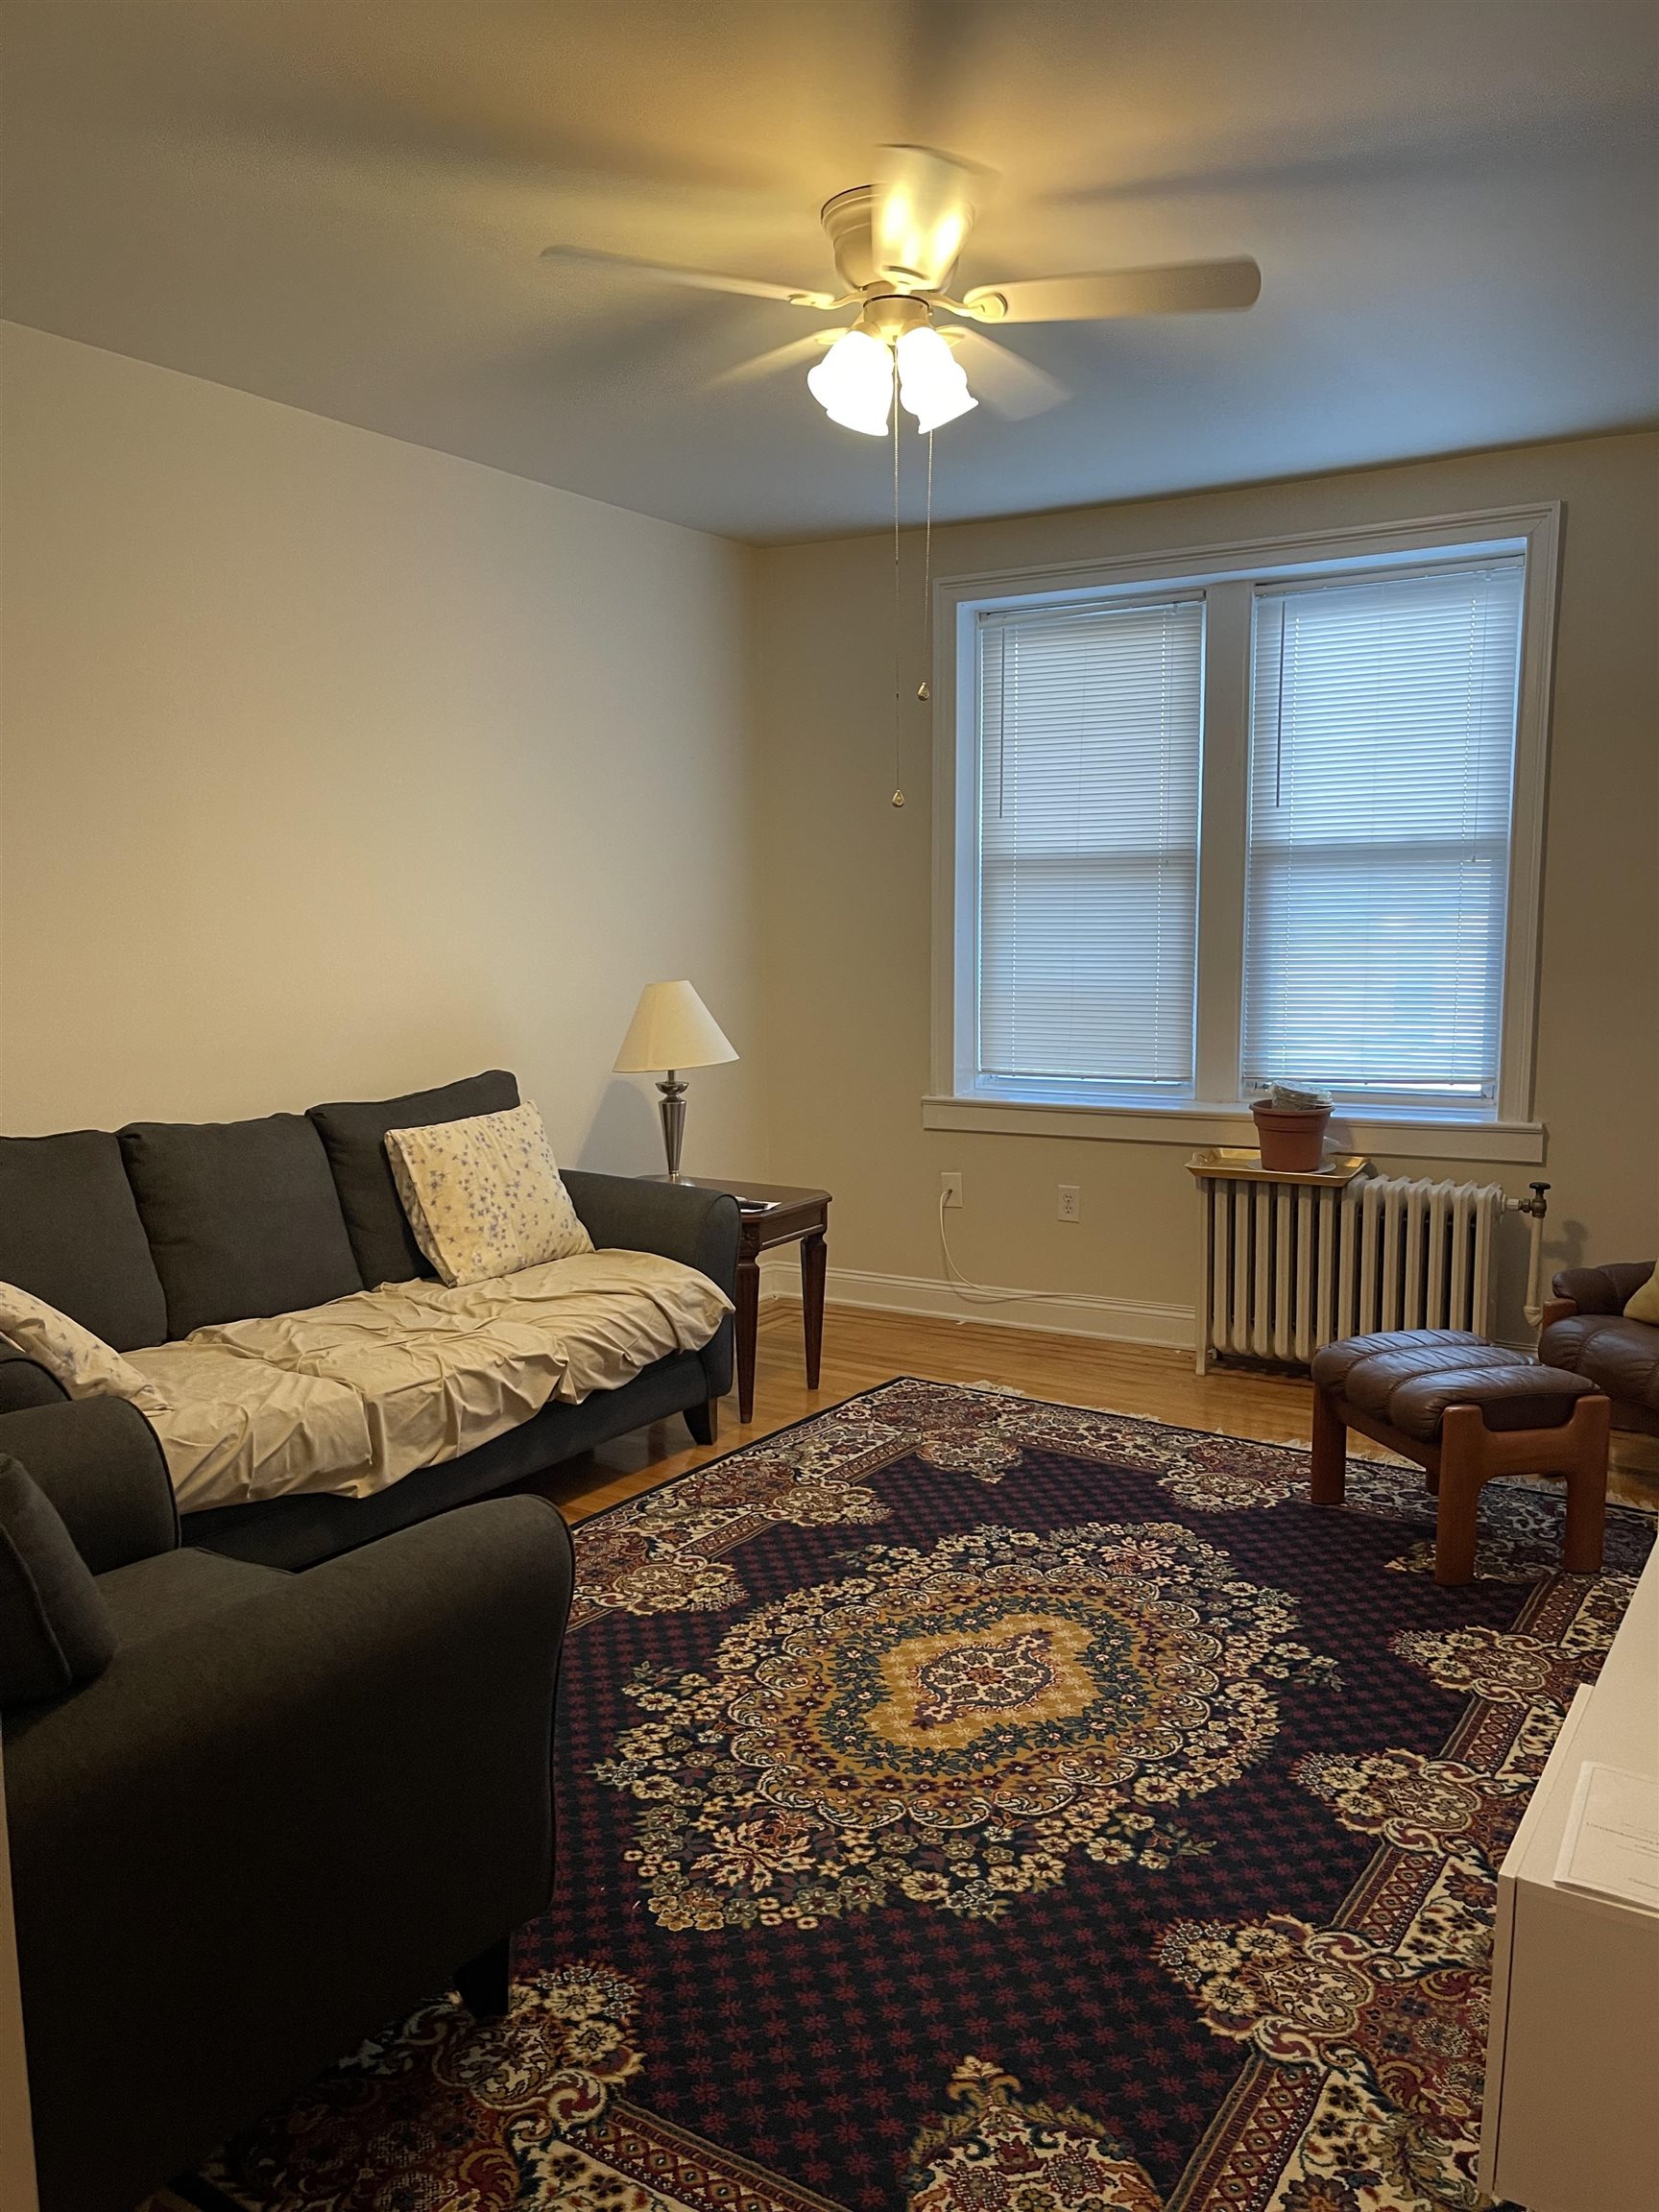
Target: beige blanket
(351, 1396)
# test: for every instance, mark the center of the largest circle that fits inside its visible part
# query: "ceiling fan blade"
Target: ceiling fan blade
(700, 279)
(1010, 383)
(1182, 288)
(798, 351)
(924, 205)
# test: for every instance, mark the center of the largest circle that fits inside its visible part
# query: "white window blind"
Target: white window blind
(1088, 801)
(1382, 753)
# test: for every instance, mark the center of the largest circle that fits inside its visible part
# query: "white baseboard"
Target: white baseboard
(1121, 1320)
(1117, 1320)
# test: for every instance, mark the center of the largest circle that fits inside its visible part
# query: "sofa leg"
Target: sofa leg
(484, 1982)
(704, 1421)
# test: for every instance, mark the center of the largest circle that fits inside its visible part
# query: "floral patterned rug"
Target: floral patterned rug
(973, 1805)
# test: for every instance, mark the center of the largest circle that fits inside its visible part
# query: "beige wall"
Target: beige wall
(847, 893)
(331, 767)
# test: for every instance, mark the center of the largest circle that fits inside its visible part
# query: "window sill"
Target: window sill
(1520, 1143)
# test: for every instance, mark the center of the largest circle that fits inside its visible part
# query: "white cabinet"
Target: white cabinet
(1571, 2114)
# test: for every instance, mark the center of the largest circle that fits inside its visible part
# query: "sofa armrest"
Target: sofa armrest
(24, 1382)
(101, 1464)
(1601, 1290)
(699, 1228)
(260, 1834)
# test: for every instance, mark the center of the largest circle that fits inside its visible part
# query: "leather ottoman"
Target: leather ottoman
(1464, 1411)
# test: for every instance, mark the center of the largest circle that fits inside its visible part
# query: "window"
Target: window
(1088, 901)
(1382, 765)
(1275, 821)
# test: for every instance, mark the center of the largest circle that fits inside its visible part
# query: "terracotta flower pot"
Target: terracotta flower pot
(1291, 1140)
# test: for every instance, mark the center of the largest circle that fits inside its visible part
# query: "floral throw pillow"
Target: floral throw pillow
(83, 1363)
(484, 1197)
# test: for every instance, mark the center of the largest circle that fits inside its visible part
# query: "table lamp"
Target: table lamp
(671, 1030)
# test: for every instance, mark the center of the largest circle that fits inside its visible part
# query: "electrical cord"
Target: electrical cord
(983, 1293)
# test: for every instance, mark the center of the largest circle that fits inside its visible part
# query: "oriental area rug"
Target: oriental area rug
(973, 1805)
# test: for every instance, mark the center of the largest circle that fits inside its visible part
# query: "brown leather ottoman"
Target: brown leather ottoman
(1464, 1411)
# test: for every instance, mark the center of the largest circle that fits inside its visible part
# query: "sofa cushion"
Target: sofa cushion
(242, 1217)
(70, 1233)
(1618, 1356)
(55, 1629)
(353, 1133)
(1409, 1376)
(1603, 1290)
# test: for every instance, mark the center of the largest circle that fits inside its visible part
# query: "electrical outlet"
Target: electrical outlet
(1071, 1207)
(951, 1186)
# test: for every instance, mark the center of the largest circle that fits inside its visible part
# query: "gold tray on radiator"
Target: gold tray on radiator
(1238, 1164)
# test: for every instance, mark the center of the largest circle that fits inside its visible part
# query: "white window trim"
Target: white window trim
(1228, 572)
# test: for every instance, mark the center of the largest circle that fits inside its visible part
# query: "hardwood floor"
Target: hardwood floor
(863, 1347)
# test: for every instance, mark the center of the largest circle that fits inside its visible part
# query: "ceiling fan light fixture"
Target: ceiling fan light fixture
(853, 383)
(932, 384)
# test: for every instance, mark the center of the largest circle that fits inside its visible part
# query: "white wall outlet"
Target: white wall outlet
(951, 1186)
(1071, 1207)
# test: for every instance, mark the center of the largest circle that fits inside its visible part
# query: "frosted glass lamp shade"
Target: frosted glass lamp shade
(931, 384)
(671, 1028)
(853, 383)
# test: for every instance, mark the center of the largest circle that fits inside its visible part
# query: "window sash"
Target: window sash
(1373, 962)
(1086, 852)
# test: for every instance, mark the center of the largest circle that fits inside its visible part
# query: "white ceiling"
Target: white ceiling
(339, 204)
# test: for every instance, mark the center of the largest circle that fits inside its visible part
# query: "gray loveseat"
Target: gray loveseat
(146, 1234)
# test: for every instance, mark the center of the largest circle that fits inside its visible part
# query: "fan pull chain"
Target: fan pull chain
(898, 635)
(921, 691)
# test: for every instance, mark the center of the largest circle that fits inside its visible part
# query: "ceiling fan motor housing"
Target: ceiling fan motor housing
(848, 222)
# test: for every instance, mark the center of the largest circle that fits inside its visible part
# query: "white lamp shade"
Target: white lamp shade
(931, 383)
(853, 383)
(671, 1028)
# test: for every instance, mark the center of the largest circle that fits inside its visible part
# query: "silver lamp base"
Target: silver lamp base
(673, 1113)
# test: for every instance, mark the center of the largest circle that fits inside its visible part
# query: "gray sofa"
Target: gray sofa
(277, 1810)
(148, 1233)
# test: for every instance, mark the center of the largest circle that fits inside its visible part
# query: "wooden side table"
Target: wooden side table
(780, 1215)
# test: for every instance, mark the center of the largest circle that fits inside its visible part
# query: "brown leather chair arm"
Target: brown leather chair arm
(1595, 1289)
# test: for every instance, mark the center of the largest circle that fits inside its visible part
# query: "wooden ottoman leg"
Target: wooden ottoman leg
(1462, 1472)
(1586, 1485)
(1329, 1474)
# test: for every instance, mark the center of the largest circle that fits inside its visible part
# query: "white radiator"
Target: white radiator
(1289, 1267)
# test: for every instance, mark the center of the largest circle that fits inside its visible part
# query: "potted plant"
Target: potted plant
(1290, 1129)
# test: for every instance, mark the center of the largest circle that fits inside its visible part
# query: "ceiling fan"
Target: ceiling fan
(895, 244)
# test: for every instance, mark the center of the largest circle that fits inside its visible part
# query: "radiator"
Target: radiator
(1289, 1267)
